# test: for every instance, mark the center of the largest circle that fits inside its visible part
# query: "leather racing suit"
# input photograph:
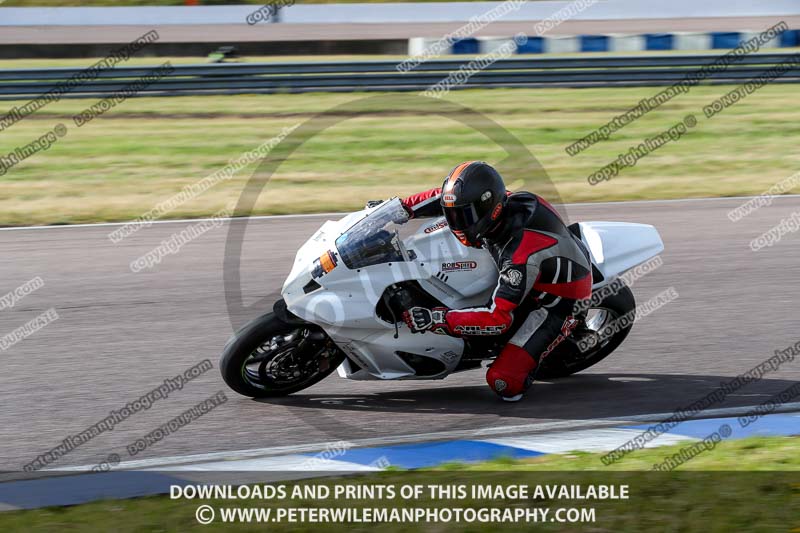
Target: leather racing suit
(544, 269)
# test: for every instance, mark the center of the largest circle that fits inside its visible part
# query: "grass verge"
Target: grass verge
(144, 150)
(720, 490)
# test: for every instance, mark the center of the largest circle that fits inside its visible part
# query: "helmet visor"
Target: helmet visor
(461, 217)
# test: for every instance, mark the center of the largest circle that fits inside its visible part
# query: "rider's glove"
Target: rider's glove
(421, 319)
(373, 203)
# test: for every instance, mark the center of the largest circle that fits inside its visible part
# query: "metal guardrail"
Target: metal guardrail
(250, 78)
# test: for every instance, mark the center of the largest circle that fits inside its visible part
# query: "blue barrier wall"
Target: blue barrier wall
(649, 41)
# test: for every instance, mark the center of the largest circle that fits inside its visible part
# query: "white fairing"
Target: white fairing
(345, 303)
(462, 276)
(345, 306)
(617, 247)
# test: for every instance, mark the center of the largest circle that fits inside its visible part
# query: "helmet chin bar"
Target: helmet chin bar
(463, 239)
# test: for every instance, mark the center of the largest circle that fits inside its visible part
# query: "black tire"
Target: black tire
(319, 357)
(568, 359)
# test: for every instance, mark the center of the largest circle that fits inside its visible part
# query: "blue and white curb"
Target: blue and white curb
(73, 485)
(607, 43)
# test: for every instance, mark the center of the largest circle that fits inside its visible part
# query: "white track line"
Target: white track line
(312, 215)
(169, 221)
(677, 200)
(529, 429)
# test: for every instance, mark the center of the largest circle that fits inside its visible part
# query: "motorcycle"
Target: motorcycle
(344, 298)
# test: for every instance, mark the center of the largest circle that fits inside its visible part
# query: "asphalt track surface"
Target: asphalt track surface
(121, 334)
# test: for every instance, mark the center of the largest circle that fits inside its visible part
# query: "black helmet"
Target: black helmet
(473, 196)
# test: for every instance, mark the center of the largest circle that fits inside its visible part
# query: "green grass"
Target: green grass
(146, 149)
(728, 495)
(751, 454)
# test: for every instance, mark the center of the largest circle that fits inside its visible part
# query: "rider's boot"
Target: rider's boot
(511, 373)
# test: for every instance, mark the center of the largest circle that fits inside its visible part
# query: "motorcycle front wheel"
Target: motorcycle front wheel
(269, 357)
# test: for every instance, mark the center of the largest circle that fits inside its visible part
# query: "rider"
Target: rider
(544, 269)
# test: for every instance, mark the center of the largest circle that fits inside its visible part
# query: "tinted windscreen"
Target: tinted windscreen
(373, 239)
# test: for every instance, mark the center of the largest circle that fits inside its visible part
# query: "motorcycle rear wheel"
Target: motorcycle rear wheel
(567, 359)
(269, 357)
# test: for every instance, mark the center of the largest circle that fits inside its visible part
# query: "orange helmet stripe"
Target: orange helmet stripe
(453, 177)
(456, 171)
